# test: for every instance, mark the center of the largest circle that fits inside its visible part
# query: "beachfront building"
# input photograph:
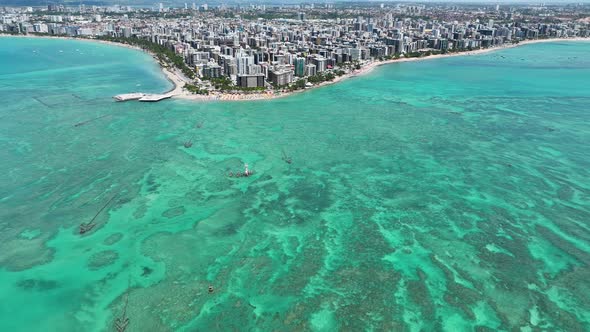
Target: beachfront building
(280, 76)
(320, 63)
(310, 70)
(212, 70)
(300, 67)
(251, 81)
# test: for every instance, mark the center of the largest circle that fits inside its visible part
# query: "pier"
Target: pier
(154, 98)
(142, 97)
(129, 96)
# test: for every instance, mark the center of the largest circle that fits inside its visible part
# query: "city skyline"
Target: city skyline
(180, 3)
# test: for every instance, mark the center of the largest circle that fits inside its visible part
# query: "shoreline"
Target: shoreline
(178, 92)
(369, 68)
(366, 69)
(175, 79)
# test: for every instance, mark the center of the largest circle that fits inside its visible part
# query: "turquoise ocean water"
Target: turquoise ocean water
(448, 194)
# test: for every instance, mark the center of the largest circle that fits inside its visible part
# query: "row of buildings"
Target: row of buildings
(259, 46)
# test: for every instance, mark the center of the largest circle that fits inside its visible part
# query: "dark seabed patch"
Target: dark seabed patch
(102, 259)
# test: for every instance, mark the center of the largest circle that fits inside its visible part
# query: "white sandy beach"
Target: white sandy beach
(179, 81)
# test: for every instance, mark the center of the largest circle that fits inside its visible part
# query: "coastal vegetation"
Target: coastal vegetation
(339, 72)
(316, 79)
(390, 57)
(298, 85)
(163, 53)
(195, 89)
(225, 84)
(321, 77)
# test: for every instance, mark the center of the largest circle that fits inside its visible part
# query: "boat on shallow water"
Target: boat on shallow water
(247, 172)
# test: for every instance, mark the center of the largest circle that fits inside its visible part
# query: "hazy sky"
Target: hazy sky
(245, 2)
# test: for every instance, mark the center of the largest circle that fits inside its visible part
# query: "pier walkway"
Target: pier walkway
(155, 98)
(143, 97)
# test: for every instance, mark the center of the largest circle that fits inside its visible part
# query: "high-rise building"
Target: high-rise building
(355, 53)
(253, 69)
(251, 81)
(310, 70)
(126, 32)
(212, 70)
(320, 63)
(280, 77)
(243, 61)
(300, 67)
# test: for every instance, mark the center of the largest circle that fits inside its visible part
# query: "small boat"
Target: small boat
(188, 144)
(247, 172)
(285, 157)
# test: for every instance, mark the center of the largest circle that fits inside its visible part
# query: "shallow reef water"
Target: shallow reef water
(438, 195)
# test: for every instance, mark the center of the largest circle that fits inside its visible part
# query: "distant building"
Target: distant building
(126, 32)
(39, 27)
(85, 32)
